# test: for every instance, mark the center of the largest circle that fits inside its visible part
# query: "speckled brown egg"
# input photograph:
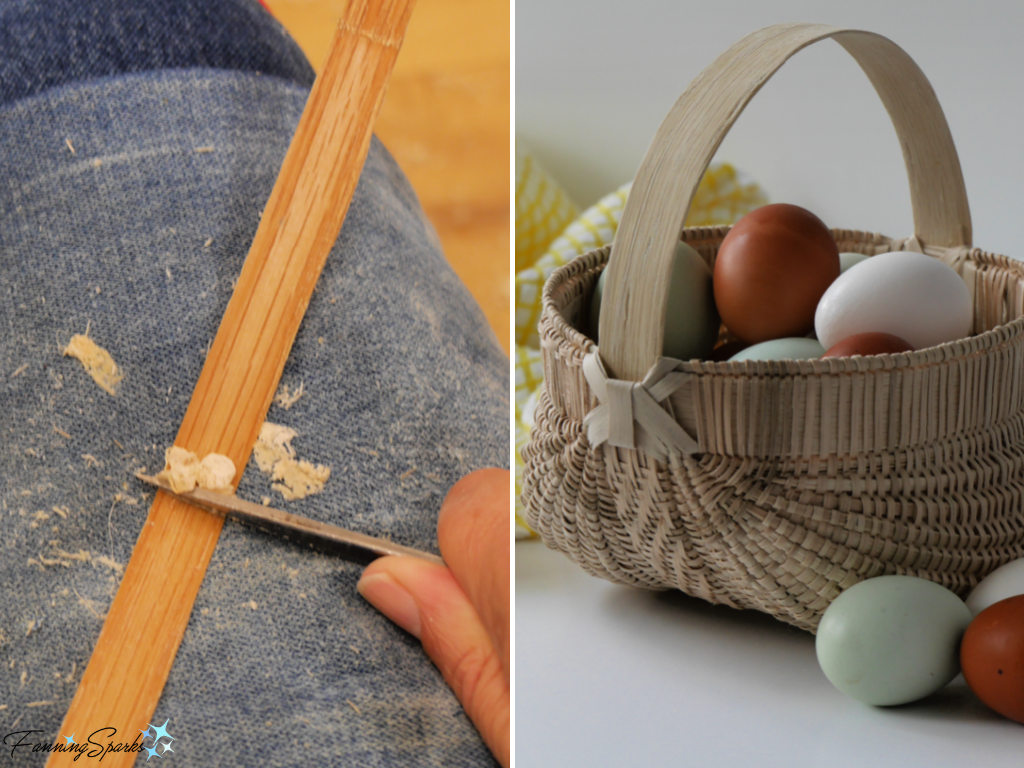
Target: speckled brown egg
(771, 269)
(992, 657)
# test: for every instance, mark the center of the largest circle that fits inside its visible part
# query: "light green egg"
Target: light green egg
(782, 349)
(691, 317)
(847, 260)
(892, 639)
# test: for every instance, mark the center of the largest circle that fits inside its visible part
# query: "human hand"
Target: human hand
(460, 612)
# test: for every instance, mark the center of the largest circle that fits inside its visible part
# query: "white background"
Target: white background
(611, 676)
(595, 79)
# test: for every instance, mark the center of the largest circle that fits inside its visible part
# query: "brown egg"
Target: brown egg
(770, 271)
(992, 657)
(868, 344)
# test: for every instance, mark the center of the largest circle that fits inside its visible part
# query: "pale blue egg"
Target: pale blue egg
(848, 260)
(782, 349)
(892, 639)
(691, 317)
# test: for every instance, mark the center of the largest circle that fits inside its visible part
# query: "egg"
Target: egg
(771, 270)
(910, 295)
(849, 260)
(781, 349)
(892, 639)
(691, 319)
(868, 344)
(1005, 581)
(992, 657)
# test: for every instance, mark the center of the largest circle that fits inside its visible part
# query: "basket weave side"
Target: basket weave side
(812, 475)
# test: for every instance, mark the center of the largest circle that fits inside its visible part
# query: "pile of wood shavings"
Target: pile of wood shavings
(275, 456)
(183, 471)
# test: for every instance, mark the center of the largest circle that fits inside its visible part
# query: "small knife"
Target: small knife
(329, 538)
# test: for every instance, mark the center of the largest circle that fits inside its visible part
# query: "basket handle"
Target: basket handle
(633, 317)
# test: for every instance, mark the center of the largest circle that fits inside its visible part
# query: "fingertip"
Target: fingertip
(390, 598)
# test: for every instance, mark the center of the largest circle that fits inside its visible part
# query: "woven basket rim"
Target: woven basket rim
(764, 369)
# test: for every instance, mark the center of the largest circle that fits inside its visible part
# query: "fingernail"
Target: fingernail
(385, 594)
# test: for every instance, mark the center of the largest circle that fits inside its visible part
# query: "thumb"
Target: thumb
(427, 600)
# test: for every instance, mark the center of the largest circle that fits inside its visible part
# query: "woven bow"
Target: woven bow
(630, 414)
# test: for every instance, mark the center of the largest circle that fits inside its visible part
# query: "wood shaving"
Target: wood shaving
(50, 561)
(97, 361)
(286, 398)
(81, 555)
(20, 371)
(184, 471)
(216, 472)
(90, 605)
(292, 478)
(111, 564)
(61, 432)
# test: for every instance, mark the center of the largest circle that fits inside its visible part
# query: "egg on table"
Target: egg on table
(992, 657)
(892, 639)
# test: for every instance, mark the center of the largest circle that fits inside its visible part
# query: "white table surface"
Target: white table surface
(611, 676)
(608, 675)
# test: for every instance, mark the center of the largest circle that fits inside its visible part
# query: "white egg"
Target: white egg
(1005, 581)
(910, 295)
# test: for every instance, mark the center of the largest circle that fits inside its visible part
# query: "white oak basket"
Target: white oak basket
(775, 485)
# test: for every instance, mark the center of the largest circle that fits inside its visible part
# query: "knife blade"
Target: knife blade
(323, 536)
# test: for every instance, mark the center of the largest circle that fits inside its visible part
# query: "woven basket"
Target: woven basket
(775, 485)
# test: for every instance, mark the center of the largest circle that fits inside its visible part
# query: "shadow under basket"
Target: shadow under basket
(809, 476)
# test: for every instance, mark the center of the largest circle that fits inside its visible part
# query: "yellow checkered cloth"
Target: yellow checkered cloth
(543, 209)
(723, 197)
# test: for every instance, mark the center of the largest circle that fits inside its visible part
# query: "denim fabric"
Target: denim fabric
(138, 235)
(44, 43)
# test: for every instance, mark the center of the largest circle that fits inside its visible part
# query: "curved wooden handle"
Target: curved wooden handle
(633, 309)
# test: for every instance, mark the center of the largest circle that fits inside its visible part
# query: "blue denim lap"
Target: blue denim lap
(46, 43)
(138, 235)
